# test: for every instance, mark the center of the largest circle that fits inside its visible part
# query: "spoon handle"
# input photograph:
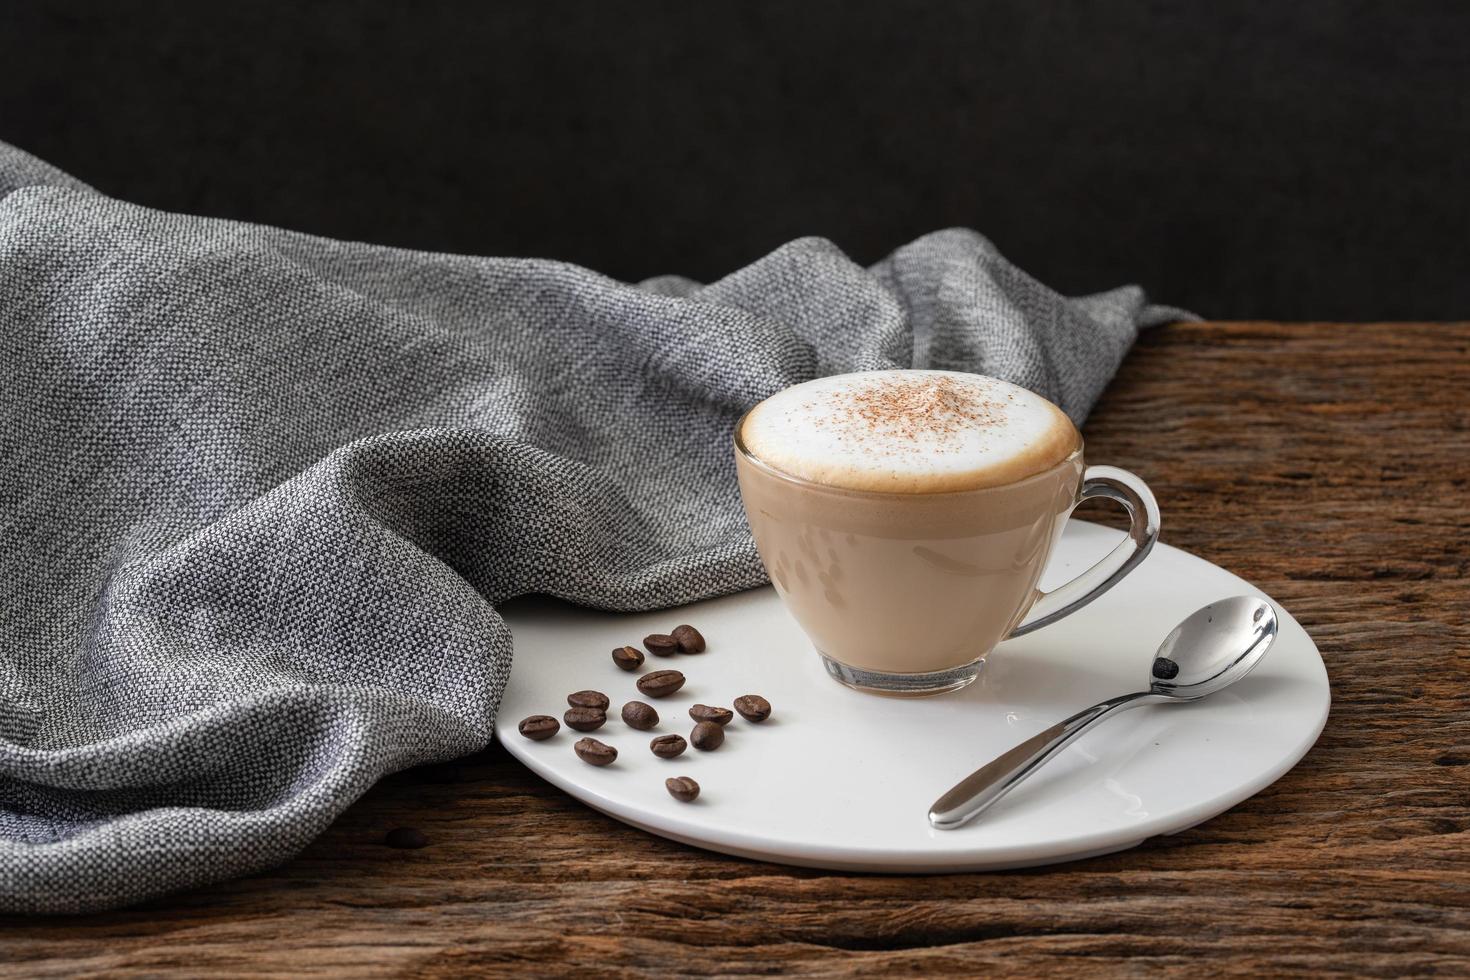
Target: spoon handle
(978, 791)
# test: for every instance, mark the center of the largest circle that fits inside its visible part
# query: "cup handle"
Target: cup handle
(1143, 510)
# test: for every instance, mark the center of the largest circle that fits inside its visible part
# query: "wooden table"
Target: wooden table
(1326, 463)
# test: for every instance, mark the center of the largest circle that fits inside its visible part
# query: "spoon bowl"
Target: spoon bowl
(1213, 648)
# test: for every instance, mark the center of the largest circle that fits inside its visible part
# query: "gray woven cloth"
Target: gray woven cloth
(261, 492)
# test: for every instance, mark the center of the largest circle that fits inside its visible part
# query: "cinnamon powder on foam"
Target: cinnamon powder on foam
(911, 416)
(909, 408)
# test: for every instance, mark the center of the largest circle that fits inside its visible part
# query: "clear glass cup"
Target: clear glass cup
(906, 593)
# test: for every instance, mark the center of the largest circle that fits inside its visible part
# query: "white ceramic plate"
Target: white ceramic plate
(842, 780)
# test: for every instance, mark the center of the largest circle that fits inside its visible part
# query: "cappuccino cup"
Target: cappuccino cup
(905, 519)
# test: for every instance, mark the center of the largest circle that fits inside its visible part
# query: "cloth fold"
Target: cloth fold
(262, 491)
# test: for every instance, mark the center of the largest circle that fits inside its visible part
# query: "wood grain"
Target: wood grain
(1326, 463)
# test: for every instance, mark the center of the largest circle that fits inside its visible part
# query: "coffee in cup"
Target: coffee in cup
(905, 518)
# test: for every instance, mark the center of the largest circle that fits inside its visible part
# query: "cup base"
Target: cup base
(903, 685)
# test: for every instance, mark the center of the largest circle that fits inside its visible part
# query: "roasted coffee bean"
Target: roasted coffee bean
(595, 753)
(703, 712)
(682, 788)
(753, 707)
(411, 838)
(661, 683)
(661, 644)
(589, 699)
(585, 719)
(668, 746)
(538, 728)
(628, 658)
(689, 639)
(707, 736)
(638, 715)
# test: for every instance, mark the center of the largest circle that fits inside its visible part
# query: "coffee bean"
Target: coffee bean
(411, 838)
(703, 712)
(661, 644)
(588, 699)
(638, 715)
(595, 753)
(538, 728)
(753, 707)
(628, 658)
(661, 683)
(682, 788)
(689, 639)
(585, 719)
(707, 736)
(668, 746)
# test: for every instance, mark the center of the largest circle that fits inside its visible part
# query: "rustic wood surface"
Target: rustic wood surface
(1326, 463)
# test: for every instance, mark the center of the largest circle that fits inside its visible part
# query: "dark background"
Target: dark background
(1261, 159)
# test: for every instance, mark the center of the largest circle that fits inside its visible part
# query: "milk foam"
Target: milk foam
(909, 432)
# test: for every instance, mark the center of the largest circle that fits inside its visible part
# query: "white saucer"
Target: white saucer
(843, 780)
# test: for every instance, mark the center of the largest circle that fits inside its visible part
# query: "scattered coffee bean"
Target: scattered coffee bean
(661, 644)
(411, 838)
(638, 715)
(753, 707)
(689, 639)
(668, 746)
(703, 712)
(589, 699)
(595, 753)
(682, 788)
(538, 728)
(628, 658)
(707, 736)
(585, 719)
(661, 683)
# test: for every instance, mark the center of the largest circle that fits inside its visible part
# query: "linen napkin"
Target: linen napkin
(262, 491)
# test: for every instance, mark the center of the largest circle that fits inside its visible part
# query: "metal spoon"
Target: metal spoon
(1207, 652)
